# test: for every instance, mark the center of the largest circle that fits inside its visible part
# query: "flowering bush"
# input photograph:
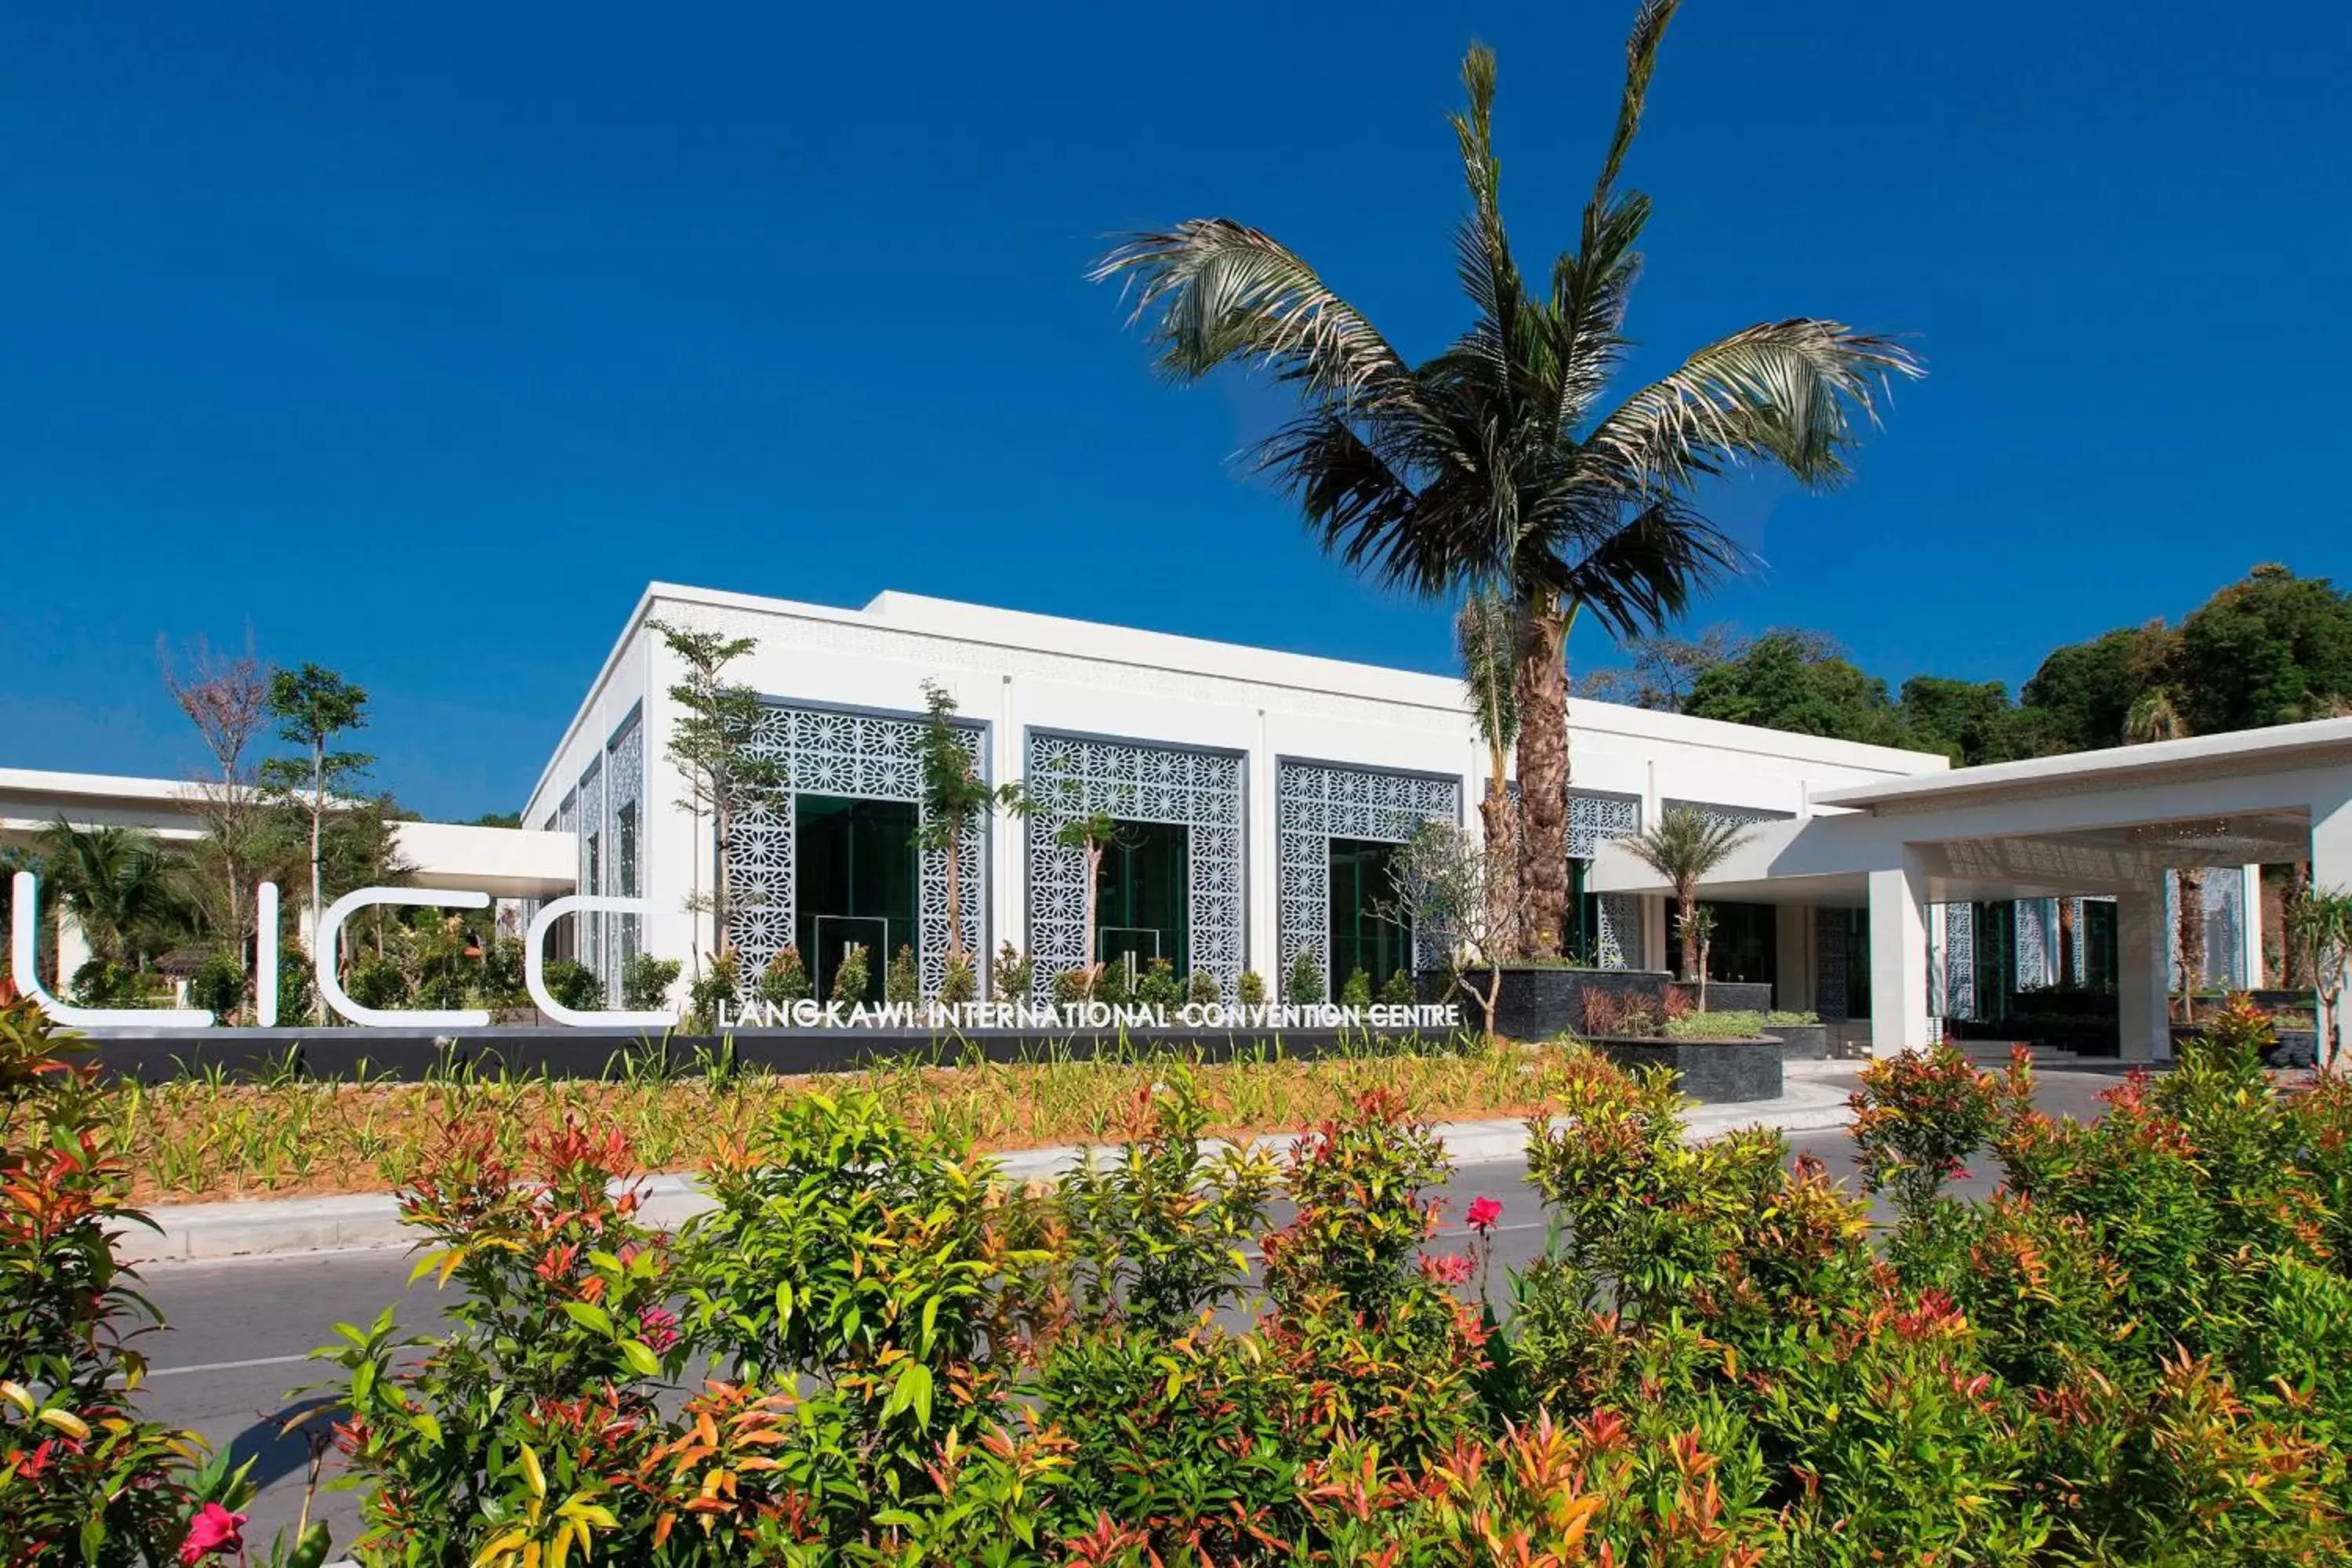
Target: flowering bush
(82, 1478)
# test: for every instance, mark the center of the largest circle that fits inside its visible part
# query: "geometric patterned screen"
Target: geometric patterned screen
(1593, 819)
(1070, 778)
(863, 757)
(1314, 804)
(623, 858)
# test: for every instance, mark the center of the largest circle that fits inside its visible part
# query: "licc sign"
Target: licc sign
(25, 923)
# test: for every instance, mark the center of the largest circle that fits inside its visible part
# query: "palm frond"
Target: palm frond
(1488, 633)
(1683, 845)
(1786, 392)
(1216, 291)
(1634, 574)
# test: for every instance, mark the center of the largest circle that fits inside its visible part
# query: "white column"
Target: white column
(1898, 958)
(73, 947)
(2249, 928)
(1008, 843)
(1262, 863)
(2144, 974)
(1657, 913)
(2331, 872)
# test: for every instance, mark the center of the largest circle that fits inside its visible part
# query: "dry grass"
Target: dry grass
(195, 1139)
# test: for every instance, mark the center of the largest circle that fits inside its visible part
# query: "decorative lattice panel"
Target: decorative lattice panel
(594, 846)
(2037, 928)
(625, 787)
(1960, 960)
(2223, 887)
(1739, 815)
(1830, 964)
(1618, 944)
(1314, 804)
(1594, 819)
(1072, 778)
(861, 756)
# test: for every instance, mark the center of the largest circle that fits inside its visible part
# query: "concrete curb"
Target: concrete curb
(280, 1228)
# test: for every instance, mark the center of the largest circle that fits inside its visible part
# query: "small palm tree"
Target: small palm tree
(122, 886)
(1501, 459)
(1488, 632)
(1682, 846)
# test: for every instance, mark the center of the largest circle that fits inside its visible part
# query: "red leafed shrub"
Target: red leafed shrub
(82, 1477)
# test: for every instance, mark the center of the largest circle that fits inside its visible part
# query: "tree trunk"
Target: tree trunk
(2290, 974)
(955, 898)
(1494, 811)
(2065, 943)
(1687, 912)
(1543, 780)
(718, 943)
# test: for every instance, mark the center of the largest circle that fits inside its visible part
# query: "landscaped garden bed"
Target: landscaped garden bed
(873, 1349)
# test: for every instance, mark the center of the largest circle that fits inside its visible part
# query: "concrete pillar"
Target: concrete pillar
(1795, 938)
(73, 947)
(1008, 844)
(1658, 916)
(2331, 872)
(2250, 928)
(1262, 861)
(1898, 958)
(2144, 974)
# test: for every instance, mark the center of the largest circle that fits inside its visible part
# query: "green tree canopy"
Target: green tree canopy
(2272, 648)
(1801, 683)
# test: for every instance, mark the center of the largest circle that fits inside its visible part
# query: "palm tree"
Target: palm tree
(2152, 718)
(1488, 634)
(1682, 846)
(1497, 460)
(122, 885)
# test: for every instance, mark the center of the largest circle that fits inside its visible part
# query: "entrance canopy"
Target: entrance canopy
(2109, 823)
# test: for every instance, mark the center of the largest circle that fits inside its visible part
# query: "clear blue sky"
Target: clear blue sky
(342, 322)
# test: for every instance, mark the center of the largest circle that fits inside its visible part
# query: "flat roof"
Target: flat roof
(2321, 742)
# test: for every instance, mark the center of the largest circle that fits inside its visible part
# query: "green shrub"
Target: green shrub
(851, 980)
(902, 981)
(719, 986)
(1397, 989)
(1251, 989)
(1733, 1024)
(783, 979)
(959, 984)
(380, 983)
(298, 985)
(1157, 986)
(1014, 975)
(1357, 990)
(1778, 1017)
(1069, 987)
(1202, 990)
(575, 986)
(1303, 985)
(102, 982)
(646, 982)
(219, 984)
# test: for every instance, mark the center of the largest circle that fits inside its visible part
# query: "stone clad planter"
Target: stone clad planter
(1801, 1042)
(1536, 1003)
(1714, 1072)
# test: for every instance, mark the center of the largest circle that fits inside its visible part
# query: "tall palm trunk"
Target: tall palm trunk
(1499, 817)
(955, 901)
(2192, 940)
(2065, 975)
(1543, 776)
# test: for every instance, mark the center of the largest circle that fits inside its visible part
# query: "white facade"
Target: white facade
(1154, 724)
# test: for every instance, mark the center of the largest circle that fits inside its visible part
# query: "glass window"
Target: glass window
(856, 870)
(1142, 904)
(1362, 935)
(1857, 963)
(1745, 945)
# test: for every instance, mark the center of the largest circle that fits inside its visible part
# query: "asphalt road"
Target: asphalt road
(232, 1361)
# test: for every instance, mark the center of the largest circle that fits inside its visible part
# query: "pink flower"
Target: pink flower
(214, 1532)
(657, 1326)
(1483, 1212)
(1450, 1269)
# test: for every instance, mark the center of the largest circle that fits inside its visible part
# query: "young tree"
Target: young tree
(122, 885)
(954, 798)
(1488, 633)
(712, 744)
(1442, 883)
(226, 698)
(313, 707)
(2319, 927)
(1500, 460)
(1682, 846)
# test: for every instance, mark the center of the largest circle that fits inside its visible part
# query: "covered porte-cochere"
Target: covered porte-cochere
(2108, 826)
